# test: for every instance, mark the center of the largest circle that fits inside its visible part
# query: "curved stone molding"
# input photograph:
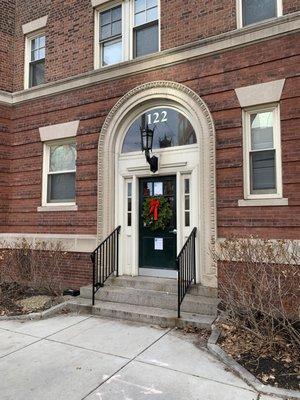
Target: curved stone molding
(199, 114)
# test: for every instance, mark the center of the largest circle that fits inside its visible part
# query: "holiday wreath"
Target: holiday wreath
(156, 213)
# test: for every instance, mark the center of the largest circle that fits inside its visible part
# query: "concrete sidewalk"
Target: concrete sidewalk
(80, 357)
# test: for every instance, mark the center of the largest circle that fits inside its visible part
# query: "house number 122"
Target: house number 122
(157, 117)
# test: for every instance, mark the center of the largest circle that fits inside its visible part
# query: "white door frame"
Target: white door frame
(142, 98)
(181, 162)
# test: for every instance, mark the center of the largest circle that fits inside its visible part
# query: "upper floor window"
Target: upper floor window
(36, 60)
(145, 27)
(111, 36)
(253, 11)
(126, 30)
(262, 153)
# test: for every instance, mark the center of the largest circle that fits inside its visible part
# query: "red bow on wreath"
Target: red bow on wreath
(154, 206)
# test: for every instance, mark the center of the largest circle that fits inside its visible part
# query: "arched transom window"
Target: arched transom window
(171, 128)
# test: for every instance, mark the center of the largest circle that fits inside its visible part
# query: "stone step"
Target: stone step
(149, 315)
(152, 298)
(159, 284)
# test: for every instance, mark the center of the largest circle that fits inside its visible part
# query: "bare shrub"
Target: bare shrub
(35, 265)
(259, 285)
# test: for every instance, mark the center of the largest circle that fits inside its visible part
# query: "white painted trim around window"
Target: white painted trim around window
(239, 13)
(247, 146)
(70, 242)
(67, 206)
(127, 29)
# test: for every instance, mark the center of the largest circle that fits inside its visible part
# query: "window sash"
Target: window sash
(33, 73)
(249, 192)
(50, 197)
(47, 174)
(138, 29)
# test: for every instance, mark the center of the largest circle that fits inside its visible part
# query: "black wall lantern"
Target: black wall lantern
(147, 143)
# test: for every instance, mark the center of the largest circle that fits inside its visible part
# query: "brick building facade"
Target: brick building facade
(206, 53)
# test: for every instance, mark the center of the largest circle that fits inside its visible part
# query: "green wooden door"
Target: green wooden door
(157, 249)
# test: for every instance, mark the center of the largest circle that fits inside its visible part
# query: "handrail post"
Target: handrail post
(186, 267)
(178, 288)
(194, 254)
(94, 276)
(105, 259)
(117, 266)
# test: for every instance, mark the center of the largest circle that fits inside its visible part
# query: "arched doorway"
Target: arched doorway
(185, 144)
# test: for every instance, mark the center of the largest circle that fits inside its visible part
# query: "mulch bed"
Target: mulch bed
(279, 367)
(20, 300)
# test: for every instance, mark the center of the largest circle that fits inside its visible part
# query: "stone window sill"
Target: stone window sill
(71, 207)
(263, 202)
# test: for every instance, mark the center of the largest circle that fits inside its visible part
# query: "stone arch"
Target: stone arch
(202, 121)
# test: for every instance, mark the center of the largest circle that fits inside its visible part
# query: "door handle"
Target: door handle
(174, 231)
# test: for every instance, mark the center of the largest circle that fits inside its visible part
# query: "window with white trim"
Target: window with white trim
(253, 11)
(110, 36)
(126, 30)
(36, 60)
(59, 172)
(262, 152)
(145, 31)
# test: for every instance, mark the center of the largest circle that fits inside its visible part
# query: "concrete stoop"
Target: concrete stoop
(153, 301)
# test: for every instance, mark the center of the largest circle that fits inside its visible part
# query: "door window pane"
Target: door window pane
(61, 188)
(263, 174)
(258, 10)
(262, 130)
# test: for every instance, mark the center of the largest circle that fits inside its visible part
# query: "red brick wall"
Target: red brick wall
(7, 31)
(70, 31)
(195, 20)
(214, 79)
(5, 124)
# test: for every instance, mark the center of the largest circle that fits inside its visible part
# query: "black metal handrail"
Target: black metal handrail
(186, 267)
(105, 259)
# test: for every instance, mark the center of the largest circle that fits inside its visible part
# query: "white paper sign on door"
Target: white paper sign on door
(158, 188)
(158, 243)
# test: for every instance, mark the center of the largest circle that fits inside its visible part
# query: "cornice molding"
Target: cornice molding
(224, 42)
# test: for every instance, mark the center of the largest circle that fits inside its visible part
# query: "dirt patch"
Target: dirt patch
(18, 300)
(279, 366)
(197, 336)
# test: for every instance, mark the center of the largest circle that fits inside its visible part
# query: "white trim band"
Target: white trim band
(96, 3)
(59, 131)
(70, 242)
(61, 208)
(202, 48)
(263, 202)
(35, 25)
(262, 93)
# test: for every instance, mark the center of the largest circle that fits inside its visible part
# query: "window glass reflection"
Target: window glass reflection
(171, 128)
